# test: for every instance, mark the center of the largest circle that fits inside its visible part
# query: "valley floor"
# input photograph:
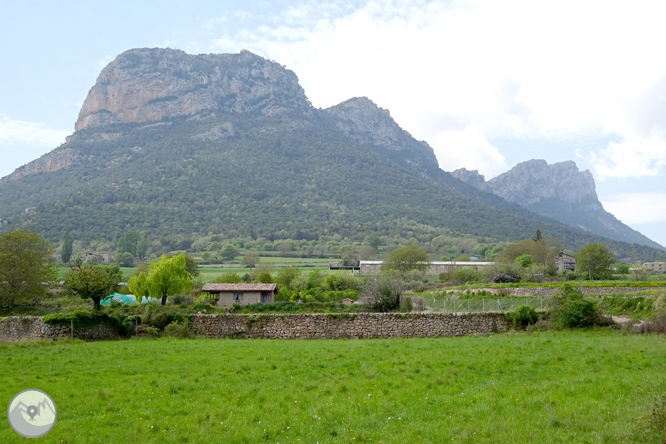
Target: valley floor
(595, 386)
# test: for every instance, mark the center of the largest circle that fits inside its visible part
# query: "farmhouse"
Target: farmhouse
(565, 262)
(373, 267)
(655, 266)
(243, 294)
(104, 258)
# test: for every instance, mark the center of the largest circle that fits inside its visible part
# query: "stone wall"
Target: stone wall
(550, 291)
(285, 326)
(31, 327)
(347, 325)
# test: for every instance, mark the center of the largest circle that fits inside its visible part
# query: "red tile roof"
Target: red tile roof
(220, 288)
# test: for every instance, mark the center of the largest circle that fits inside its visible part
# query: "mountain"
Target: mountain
(181, 146)
(560, 191)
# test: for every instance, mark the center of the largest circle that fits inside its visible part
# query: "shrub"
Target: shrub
(524, 316)
(160, 316)
(151, 331)
(181, 299)
(82, 319)
(656, 325)
(336, 282)
(406, 305)
(178, 329)
(504, 278)
(577, 314)
(460, 276)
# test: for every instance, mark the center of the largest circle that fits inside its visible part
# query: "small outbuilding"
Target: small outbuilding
(243, 294)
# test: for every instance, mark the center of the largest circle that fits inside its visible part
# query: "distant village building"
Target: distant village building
(655, 266)
(565, 262)
(348, 301)
(436, 268)
(243, 294)
(104, 258)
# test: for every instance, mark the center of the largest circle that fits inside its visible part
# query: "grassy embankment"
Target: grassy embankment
(550, 387)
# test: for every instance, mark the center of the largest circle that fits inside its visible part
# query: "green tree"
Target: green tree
(250, 259)
(537, 236)
(543, 252)
(229, 277)
(191, 266)
(141, 248)
(284, 248)
(166, 276)
(623, 268)
(125, 259)
(406, 259)
(596, 261)
(286, 275)
(129, 242)
(229, 252)
(263, 277)
(67, 247)
(374, 240)
(524, 260)
(26, 267)
(94, 282)
(367, 252)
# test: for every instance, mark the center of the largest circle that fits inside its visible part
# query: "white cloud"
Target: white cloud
(21, 142)
(34, 134)
(637, 208)
(468, 147)
(641, 123)
(458, 73)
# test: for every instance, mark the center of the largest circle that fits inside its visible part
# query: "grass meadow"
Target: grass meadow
(594, 386)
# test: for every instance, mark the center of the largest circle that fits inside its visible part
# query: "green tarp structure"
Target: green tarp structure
(117, 297)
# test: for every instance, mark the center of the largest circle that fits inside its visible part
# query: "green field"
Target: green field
(551, 387)
(208, 273)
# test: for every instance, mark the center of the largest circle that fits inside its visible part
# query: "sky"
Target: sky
(486, 84)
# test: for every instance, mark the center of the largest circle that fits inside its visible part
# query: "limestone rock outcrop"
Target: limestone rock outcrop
(363, 121)
(534, 180)
(473, 178)
(55, 160)
(148, 85)
(560, 191)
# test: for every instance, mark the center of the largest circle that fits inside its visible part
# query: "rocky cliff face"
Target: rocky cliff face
(472, 178)
(363, 121)
(147, 85)
(533, 181)
(55, 160)
(560, 191)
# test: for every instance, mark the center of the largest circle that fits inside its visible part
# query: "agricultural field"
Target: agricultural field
(208, 273)
(592, 386)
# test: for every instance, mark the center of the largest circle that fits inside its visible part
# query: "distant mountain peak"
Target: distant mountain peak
(363, 121)
(531, 181)
(560, 191)
(151, 84)
(473, 178)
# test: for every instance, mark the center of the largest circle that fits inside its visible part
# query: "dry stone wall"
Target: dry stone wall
(285, 326)
(32, 328)
(347, 325)
(551, 291)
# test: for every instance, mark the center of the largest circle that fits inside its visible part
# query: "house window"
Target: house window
(238, 297)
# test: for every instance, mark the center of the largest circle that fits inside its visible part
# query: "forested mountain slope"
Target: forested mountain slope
(252, 158)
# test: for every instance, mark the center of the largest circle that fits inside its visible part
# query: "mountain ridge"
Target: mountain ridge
(559, 191)
(253, 158)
